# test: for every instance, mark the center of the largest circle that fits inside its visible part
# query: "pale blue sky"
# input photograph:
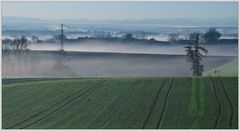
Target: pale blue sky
(120, 10)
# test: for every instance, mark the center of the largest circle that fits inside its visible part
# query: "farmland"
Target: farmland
(228, 69)
(120, 103)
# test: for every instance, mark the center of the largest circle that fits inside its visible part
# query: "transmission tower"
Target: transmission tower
(62, 35)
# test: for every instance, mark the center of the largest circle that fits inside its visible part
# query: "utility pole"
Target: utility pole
(62, 37)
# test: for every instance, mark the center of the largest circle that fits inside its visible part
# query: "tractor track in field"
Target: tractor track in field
(119, 105)
(44, 109)
(154, 103)
(218, 102)
(148, 82)
(10, 87)
(229, 101)
(27, 98)
(165, 104)
(103, 109)
(52, 107)
(62, 105)
(27, 90)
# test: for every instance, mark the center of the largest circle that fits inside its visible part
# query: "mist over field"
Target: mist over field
(95, 58)
(215, 50)
(120, 65)
(90, 64)
(95, 48)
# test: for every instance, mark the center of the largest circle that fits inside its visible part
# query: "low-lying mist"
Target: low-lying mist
(90, 64)
(216, 49)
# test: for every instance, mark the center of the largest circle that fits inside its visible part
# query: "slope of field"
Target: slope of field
(228, 69)
(120, 103)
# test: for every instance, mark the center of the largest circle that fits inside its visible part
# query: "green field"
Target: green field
(120, 103)
(228, 69)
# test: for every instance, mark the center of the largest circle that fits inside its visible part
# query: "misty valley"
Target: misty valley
(97, 56)
(97, 53)
(120, 65)
(86, 49)
(95, 64)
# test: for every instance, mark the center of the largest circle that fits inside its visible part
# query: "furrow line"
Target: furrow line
(148, 82)
(229, 101)
(61, 106)
(218, 102)
(105, 107)
(120, 105)
(154, 104)
(47, 108)
(165, 104)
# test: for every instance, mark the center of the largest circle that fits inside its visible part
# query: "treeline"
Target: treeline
(14, 53)
(212, 36)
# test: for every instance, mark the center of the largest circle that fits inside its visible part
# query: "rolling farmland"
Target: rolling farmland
(120, 103)
(228, 69)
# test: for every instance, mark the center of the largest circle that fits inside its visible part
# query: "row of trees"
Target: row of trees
(19, 60)
(210, 37)
(17, 47)
(18, 44)
(193, 51)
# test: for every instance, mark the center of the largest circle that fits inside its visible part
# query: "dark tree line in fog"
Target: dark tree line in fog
(19, 60)
(15, 50)
(17, 53)
(212, 36)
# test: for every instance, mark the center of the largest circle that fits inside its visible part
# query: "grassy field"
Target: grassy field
(125, 103)
(228, 69)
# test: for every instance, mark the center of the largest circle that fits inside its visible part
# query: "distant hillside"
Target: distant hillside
(228, 69)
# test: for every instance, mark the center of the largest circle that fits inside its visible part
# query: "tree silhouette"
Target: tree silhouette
(212, 36)
(18, 47)
(194, 54)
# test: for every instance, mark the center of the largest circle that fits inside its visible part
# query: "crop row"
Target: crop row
(125, 103)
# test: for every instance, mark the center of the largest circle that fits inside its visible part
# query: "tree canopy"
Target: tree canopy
(212, 36)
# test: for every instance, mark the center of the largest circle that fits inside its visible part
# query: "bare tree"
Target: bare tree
(17, 47)
(6, 57)
(194, 54)
(34, 39)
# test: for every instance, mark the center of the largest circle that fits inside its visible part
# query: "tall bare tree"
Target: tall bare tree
(194, 54)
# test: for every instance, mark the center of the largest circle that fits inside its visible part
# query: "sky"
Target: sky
(120, 10)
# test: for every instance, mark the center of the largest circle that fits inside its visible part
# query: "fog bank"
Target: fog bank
(216, 49)
(92, 64)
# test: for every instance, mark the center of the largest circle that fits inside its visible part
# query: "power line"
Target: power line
(62, 36)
